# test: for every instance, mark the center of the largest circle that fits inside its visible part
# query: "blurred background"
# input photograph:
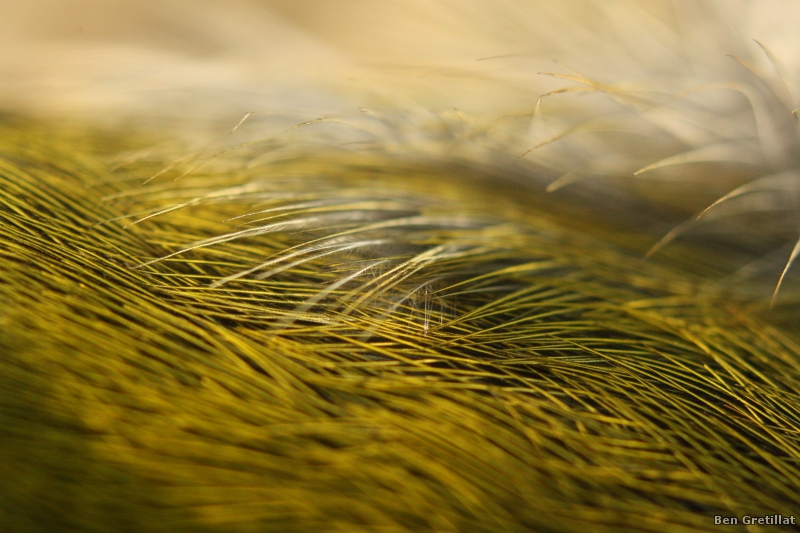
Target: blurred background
(110, 59)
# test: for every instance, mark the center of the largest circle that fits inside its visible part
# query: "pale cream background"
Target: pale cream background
(111, 59)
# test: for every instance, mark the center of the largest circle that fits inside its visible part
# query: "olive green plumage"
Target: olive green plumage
(353, 342)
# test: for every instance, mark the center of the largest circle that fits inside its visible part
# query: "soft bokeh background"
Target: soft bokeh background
(115, 59)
